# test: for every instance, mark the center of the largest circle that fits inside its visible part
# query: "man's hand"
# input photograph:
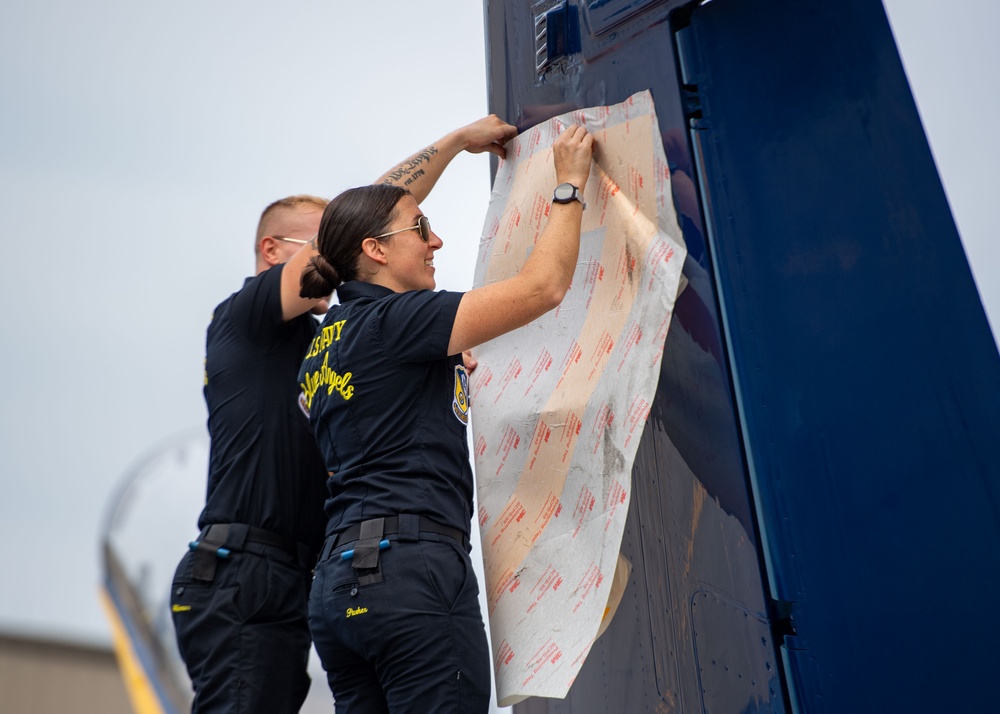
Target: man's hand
(488, 134)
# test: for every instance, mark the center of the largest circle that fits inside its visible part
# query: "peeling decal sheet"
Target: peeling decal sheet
(558, 406)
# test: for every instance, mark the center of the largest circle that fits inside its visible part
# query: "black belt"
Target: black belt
(254, 535)
(405, 527)
(237, 536)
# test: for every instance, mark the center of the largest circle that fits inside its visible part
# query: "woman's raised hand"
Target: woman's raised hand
(572, 153)
(488, 134)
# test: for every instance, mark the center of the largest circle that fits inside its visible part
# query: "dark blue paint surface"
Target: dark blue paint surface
(824, 441)
(868, 379)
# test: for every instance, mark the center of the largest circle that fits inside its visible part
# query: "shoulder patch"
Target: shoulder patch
(460, 401)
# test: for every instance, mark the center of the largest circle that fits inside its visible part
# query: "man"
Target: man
(239, 595)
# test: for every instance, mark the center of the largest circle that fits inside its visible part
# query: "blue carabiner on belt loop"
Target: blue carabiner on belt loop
(220, 551)
(348, 554)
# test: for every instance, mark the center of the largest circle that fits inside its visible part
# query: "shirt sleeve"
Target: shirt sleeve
(416, 326)
(256, 309)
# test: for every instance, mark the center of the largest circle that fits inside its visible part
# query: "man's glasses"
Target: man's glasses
(293, 240)
(423, 225)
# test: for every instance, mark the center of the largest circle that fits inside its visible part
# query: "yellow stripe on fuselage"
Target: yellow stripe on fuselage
(140, 690)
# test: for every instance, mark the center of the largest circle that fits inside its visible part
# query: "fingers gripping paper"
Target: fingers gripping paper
(559, 404)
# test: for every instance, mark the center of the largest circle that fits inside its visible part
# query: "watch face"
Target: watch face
(564, 192)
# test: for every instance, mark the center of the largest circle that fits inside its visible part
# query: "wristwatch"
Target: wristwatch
(567, 193)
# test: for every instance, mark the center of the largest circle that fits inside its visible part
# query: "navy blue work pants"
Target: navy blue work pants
(413, 643)
(244, 636)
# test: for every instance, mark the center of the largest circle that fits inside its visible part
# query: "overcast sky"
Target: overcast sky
(139, 143)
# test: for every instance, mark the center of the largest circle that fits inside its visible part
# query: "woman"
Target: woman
(394, 608)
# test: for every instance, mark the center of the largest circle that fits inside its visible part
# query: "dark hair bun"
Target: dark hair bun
(319, 278)
(326, 269)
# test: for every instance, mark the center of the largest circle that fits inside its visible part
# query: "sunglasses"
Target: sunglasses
(423, 225)
(292, 240)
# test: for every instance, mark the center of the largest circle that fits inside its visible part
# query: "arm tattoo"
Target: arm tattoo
(408, 166)
(414, 177)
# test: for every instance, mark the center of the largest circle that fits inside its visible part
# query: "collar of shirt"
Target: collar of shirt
(356, 289)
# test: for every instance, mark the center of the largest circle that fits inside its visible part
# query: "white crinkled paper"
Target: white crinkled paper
(559, 405)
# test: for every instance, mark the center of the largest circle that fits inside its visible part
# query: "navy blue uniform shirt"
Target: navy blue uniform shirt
(264, 467)
(389, 408)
